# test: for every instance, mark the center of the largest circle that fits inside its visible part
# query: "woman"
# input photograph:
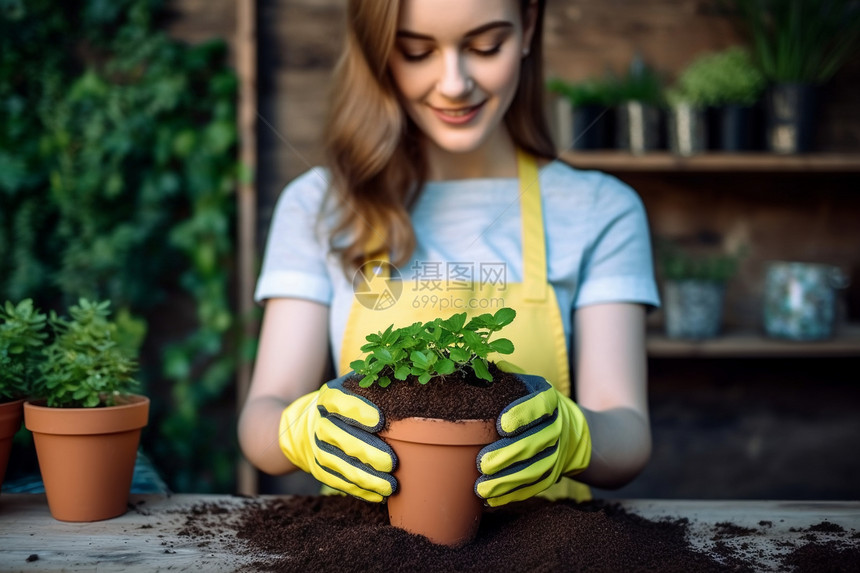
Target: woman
(440, 164)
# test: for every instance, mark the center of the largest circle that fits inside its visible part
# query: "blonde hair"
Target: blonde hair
(373, 150)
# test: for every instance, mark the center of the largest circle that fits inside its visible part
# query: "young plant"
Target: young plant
(91, 360)
(22, 335)
(707, 264)
(805, 41)
(590, 92)
(641, 84)
(436, 348)
(728, 77)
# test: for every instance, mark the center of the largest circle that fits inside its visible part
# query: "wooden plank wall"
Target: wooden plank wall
(783, 217)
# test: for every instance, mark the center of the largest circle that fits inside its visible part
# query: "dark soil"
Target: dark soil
(336, 533)
(458, 396)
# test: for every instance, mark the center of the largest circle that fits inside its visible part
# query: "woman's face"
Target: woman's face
(456, 65)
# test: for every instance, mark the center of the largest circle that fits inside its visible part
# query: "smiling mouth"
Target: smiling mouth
(458, 115)
(459, 112)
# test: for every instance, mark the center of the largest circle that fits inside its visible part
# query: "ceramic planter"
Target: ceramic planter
(800, 300)
(10, 421)
(693, 308)
(87, 455)
(736, 126)
(688, 130)
(436, 476)
(590, 127)
(790, 117)
(637, 127)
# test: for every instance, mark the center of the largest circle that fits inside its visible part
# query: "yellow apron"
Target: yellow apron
(537, 332)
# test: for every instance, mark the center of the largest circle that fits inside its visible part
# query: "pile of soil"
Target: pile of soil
(336, 533)
(457, 396)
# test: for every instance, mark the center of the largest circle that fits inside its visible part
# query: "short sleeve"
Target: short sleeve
(618, 265)
(294, 263)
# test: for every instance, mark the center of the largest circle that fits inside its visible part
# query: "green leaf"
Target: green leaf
(424, 378)
(445, 366)
(374, 338)
(504, 316)
(383, 354)
(384, 381)
(390, 336)
(472, 339)
(460, 355)
(502, 346)
(367, 381)
(481, 321)
(402, 372)
(421, 360)
(479, 365)
(369, 347)
(454, 323)
(358, 365)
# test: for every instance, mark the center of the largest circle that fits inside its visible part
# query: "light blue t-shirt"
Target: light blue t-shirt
(598, 244)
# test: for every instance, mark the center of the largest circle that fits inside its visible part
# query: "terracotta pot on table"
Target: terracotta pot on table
(87, 456)
(11, 414)
(436, 476)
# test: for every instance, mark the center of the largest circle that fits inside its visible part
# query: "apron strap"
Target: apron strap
(534, 239)
(534, 242)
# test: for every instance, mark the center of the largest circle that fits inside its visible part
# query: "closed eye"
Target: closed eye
(488, 51)
(413, 56)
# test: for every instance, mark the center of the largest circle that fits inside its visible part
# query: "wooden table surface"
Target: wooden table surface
(148, 537)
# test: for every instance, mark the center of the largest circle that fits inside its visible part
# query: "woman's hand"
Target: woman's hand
(330, 434)
(544, 436)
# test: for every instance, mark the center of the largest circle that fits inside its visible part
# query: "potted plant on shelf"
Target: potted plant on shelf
(688, 122)
(798, 45)
(424, 378)
(584, 111)
(728, 83)
(86, 423)
(22, 334)
(694, 282)
(638, 119)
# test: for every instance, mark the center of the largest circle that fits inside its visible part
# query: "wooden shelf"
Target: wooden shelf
(755, 345)
(620, 161)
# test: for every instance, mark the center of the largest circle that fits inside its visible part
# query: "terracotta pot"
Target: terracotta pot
(436, 475)
(10, 422)
(86, 456)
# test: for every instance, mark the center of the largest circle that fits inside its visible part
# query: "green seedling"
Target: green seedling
(22, 336)
(436, 348)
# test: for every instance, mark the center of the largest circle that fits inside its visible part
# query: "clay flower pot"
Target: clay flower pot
(436, 476)
(87, 455)
(10, 421)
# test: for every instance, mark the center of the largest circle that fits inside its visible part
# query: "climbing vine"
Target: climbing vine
(117, 178)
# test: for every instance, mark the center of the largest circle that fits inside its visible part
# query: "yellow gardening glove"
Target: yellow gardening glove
(330, 434)
(544, 437)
